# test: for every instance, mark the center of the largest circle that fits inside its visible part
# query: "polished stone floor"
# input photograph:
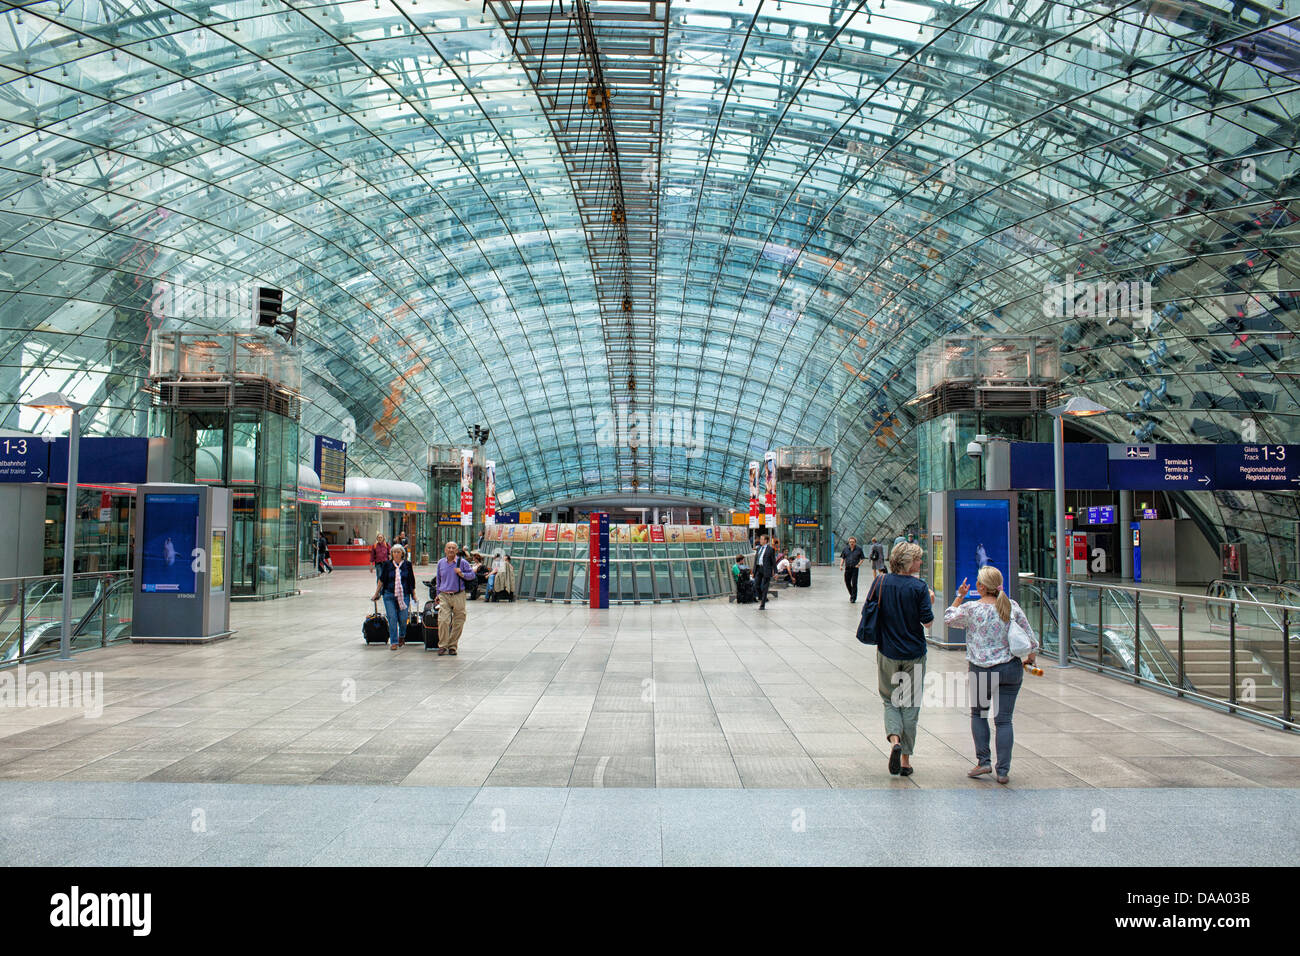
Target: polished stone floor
(702, 695)
(172, 824)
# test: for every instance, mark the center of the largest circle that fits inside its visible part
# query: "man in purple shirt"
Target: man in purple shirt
(453, 572)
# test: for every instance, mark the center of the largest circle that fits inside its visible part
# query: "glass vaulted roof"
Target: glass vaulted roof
(832, 186)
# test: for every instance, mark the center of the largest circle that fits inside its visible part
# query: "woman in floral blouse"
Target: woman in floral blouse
(996, 674)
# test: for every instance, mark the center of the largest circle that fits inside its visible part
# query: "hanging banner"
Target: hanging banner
(769, 487)
(753, 494)
(466, 487)
(657, 533)
(490, 500)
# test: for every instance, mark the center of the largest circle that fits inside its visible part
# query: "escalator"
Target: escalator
(1108, 627)
(106, 619)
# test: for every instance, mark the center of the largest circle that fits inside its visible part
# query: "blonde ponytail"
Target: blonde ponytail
(990, 579)
(1004, 606)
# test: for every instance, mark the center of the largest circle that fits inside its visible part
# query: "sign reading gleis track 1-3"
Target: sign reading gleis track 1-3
(1204, 467)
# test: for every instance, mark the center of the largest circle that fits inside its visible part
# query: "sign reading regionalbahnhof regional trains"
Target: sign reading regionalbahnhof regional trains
(1135, 467)
(1259, 466)
(332, 464)
(1204, 467)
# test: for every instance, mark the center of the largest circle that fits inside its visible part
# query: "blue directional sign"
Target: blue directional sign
(1258, 467)
(102, 461)
(24, 459)
(1163, 467)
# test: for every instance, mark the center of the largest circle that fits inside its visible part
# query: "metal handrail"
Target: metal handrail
(1252, 585)
(1182, 686)
(109, 584)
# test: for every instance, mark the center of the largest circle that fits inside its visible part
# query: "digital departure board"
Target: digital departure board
(332, 464)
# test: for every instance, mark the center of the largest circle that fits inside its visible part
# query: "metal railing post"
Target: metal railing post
(103, 613)
(1101, 631)
(1182, 673)
(1232, 652)
(22, 618)
(1101, 634)
(1137, 633)
(1286, 665)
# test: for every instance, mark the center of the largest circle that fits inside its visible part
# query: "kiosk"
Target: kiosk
(969, 529)
(182, 560)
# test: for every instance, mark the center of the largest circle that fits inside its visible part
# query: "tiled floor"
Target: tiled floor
(709, 695)
(172, 824)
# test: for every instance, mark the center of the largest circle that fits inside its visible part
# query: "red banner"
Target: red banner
(490, 498)
(657, 533)
(466, 487)
(769, 488)
(552, 530)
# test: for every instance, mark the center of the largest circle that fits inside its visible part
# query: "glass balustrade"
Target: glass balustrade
(648, 564)
(1223, 647)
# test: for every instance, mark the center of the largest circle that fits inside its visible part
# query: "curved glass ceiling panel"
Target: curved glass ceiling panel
(832, 184)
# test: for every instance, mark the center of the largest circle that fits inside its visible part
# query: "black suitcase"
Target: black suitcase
(374, 630)
(414, 630)
(429, 625)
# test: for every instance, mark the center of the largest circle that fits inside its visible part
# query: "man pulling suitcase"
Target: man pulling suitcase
(453, 575)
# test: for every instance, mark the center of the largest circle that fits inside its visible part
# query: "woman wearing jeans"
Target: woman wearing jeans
(397, 585)
(995, 674)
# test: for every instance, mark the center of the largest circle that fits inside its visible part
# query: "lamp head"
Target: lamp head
(1078, 407)
(54, 403)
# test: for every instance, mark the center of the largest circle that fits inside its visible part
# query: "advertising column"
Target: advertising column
(769, 482)
(466, 487)
(598, 549)
(753, 494)
(604, 560)
(490, 500)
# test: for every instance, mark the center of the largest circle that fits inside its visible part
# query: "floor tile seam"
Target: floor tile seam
(788, 728)
(714, 707)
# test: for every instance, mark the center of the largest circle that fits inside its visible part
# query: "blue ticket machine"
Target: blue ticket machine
(1135, 529)
(182, 564)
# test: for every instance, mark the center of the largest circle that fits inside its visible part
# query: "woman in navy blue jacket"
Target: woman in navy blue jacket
(397, 586)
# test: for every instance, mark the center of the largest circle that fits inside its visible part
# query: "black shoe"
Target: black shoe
(904, 771)
(896, 759)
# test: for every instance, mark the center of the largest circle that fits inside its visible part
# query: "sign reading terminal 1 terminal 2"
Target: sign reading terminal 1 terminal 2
(1162, 466)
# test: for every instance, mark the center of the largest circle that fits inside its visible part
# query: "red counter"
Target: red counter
(350, 555)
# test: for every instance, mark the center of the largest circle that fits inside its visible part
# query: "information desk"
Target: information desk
(350, 555)
(649, 564)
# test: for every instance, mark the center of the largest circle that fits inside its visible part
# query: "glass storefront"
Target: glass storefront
(254, 453)
(100, 545)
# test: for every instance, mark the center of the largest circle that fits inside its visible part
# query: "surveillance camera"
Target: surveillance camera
(975, 449)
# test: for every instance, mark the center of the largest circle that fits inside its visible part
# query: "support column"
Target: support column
(1125, 537)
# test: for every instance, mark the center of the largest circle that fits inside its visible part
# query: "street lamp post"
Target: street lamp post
(53, 403)
(1077, 407)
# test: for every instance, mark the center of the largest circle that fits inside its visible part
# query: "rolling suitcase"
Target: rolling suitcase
(414, 629)
(429, 624)
(374, 630)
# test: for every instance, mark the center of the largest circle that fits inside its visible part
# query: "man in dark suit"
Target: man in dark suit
(764, 568)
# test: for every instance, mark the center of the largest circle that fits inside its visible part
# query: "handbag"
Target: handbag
(1019, 639)
(869, 625)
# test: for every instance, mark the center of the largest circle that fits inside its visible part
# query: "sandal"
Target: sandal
(980, 770)
(452, 652)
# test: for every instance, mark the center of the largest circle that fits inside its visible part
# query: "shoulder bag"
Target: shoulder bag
(869, 625)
